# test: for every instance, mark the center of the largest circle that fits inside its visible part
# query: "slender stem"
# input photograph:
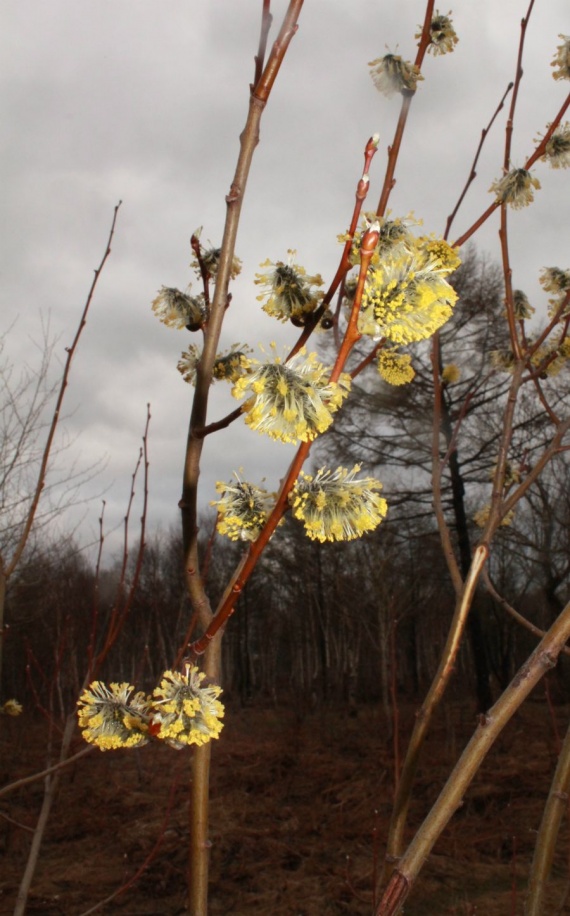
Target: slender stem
(460, 240)
(437, 470)
(559, 313)
(394, 148)
(219, 424)
(235, 586)
(555, 808)
(199, 795)
(539, 151)
(266, 20)
(204, 273)
(368, 359)
(498, 511)
(123, 604)
(393, 152)
(352, 334)
(51, 782)
(199, 807)
(361, 193)
(542, 660)
(555, 445)
(518, 78)
(473, 171)
(7, 568)
(248, 142)
(537, 154)
(57, 410)
(344, 265)
(238, 581)
(41, 774)
(536, 631)
(508, 276)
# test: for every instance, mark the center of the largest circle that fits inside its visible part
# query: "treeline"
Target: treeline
(318, 623)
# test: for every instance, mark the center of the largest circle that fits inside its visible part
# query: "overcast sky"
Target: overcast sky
(144, 101)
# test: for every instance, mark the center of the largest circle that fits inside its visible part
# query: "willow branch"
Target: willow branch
(512, 612)
(540, 149)
(248, 141)
(266, 20)
(518, 78)
(558, 314)
(41, 774)
(536, 154)
(198, 859)
(407, 96)
(226, 421)
(123, 605)
(473, 171)
(344, 265)
(552, 449)
(238, 581)
(368, 359)
(543, 659)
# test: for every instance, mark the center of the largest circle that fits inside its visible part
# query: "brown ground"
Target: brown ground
(294, 813)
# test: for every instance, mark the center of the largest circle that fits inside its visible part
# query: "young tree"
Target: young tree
(401, 297)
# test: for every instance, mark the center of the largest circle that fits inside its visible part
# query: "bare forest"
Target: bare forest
(350, 693)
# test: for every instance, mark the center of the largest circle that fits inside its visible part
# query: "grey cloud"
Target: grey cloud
(145, 102)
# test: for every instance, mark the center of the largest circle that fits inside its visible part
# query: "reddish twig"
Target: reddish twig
(407, 96)
(368, 359)
(344, 265)
(514, 97)
(219, 424)
(26, 780)
(266, 20)
(558, 314)
(248, 141)
(473, 171)
(361, 192)
(123, 605)
(540, 149)
(237, 583)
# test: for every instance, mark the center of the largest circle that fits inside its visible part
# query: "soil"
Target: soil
(298, 819)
